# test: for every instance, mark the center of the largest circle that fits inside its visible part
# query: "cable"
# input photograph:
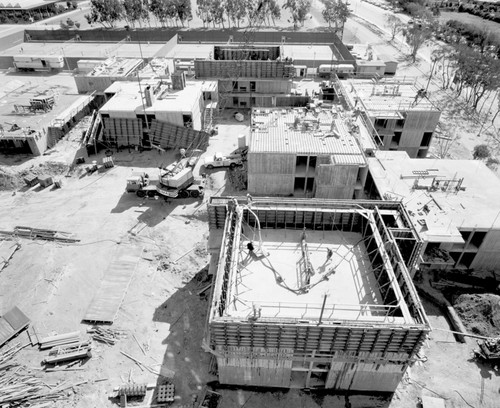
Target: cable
(471, 406)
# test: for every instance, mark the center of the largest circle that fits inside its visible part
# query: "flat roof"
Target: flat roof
(127, 97)
(191, 51)
(386, 96)
(309, 52)
(19, 89)
(116, 67)
(157, 67)
(272, 282)
(438, 210)
(316, 132)
(25, 4)
(86, 50)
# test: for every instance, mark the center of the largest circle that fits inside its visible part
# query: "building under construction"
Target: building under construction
(313, 294)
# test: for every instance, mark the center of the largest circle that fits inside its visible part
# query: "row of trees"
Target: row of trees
(167, 12)
(468, 65)
(216, 13)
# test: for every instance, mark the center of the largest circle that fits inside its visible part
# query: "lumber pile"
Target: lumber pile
(60, 340)
(64, 354)
(107, 336)
(36, 233)
(19, 387)
(66, 347)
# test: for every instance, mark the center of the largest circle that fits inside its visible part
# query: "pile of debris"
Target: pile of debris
(107, 336)
(238, 177)
(65, 348)
(36, 233)
(19, 387)
(480, 313)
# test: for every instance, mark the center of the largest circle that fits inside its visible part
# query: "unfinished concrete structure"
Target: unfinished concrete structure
(283, 316)
(317, 153)
(154, 112)
(454, 204)
(35, 116)
(398, 109)
(105, 74)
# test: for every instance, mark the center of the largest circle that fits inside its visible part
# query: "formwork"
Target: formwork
(318, 340)
(243, 69)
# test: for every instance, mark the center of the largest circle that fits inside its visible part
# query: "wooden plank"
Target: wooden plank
(114, 285)
(12, 323)
(7, 250)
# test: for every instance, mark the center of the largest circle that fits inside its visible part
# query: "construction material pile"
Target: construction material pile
(36, 233)
(107, 336)
(66, 347)
(20, 387)
(238, 177)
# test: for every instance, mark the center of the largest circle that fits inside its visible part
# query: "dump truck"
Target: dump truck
(181, 184)
(219, 160)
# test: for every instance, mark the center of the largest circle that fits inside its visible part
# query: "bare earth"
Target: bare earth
(54, 283)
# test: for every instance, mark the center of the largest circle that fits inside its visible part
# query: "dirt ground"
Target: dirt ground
(54, 284)
(480, 313)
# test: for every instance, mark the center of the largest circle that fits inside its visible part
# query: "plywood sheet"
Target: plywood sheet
(114, 285)
(11, 323)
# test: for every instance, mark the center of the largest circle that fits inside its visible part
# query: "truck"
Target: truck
(180, 184)
(219, 160)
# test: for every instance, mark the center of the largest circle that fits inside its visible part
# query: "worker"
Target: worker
(250, 247)
(249, 199)
(329, 253)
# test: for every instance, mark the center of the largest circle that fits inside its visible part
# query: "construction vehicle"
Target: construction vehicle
(175, 181)
(219, 160)
(489, 350)
(179, 185)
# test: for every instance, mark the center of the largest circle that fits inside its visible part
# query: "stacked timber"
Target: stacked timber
(19, 387)
(31, 180)
(107, 336)
(36, 233)
(72, 352)
(66, 347)
(60, 340)
(45, 181)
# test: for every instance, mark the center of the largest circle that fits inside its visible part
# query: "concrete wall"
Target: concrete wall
(336, 181)
(271, 174)
(268, 87)
(488, 256)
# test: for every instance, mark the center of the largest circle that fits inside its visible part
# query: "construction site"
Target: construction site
(236, 219)
(314, 294)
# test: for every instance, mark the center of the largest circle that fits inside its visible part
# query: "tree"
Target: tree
(236, 11)
(336, 12)
(416, 35)
(105, 12)
(481, 152)
(163, 10)
(183, 10)
(298, 10)
(394, 24)
(135, 11)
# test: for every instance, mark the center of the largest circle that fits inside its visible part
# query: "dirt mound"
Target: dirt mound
(12, 180)
(480, 313)
(8, 180)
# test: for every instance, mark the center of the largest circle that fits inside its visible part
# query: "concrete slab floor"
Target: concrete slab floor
(258, 280)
